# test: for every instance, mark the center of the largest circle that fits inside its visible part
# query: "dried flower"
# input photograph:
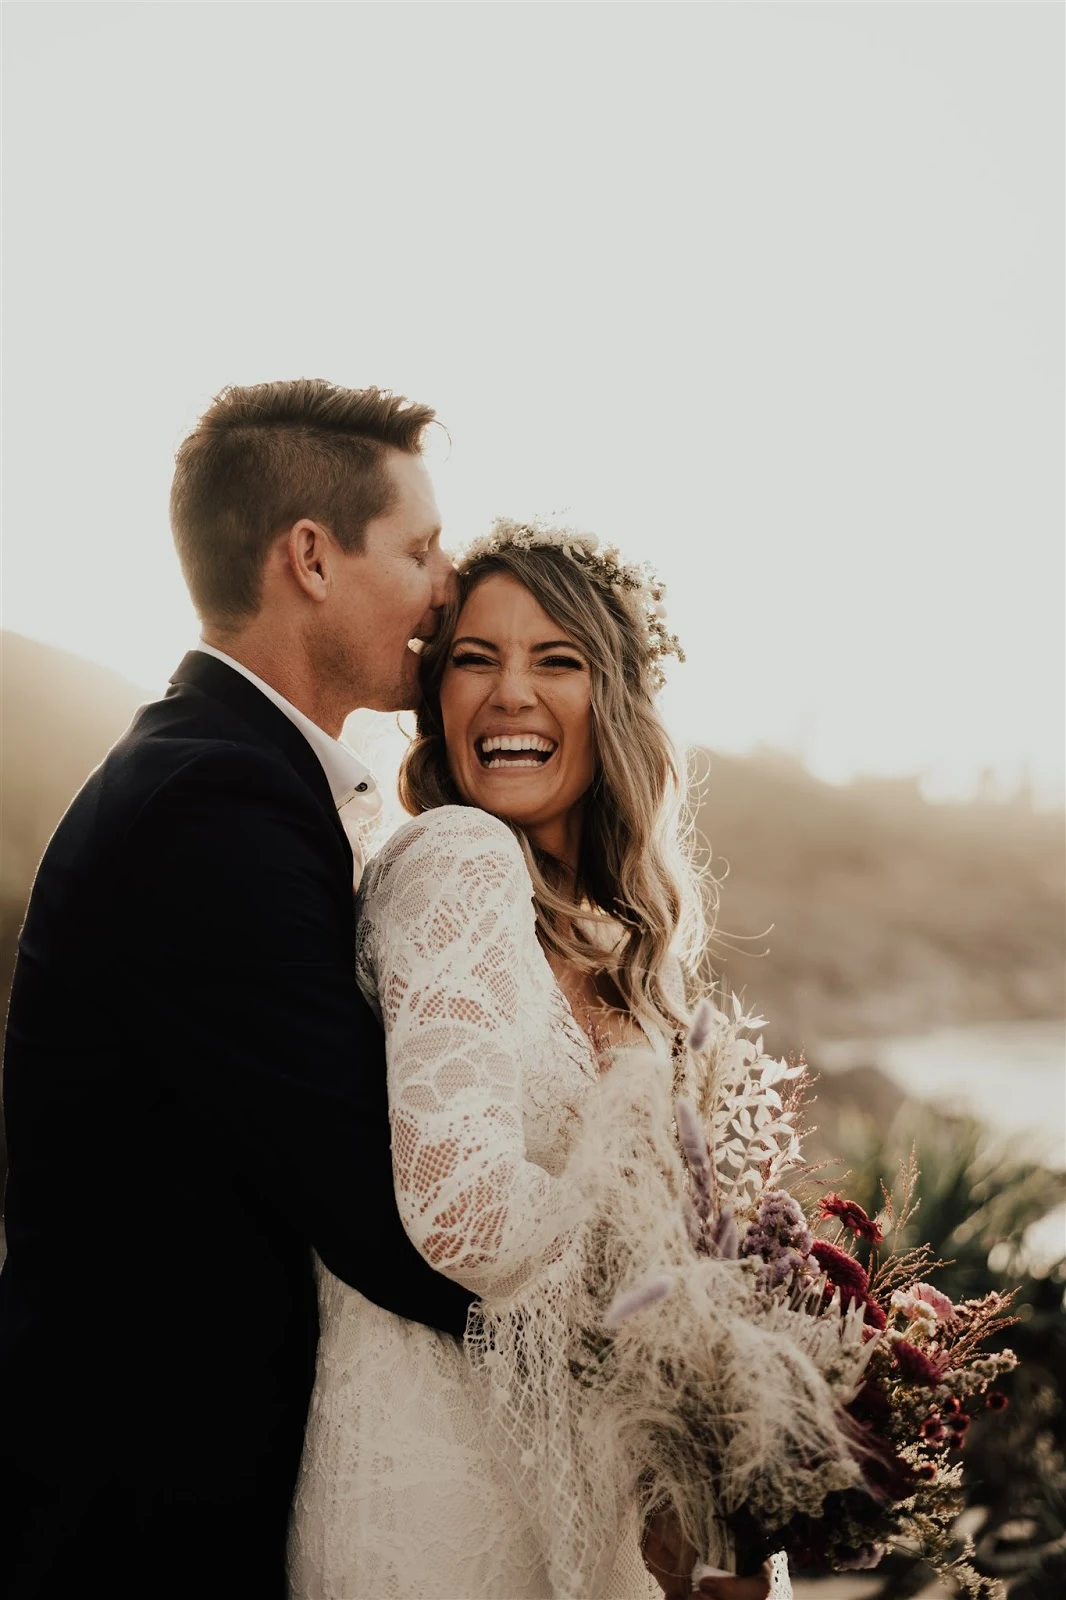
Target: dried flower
(873, 1315)
(923, 1300)
(725, 1240)
(638, 589)
(852, 1216)
(868, 1555)
(640, 1298)
(842, 1270)
(996, 1400)
(915, 1365)
(699, 1033)
(779, 1231)
(693, 1142)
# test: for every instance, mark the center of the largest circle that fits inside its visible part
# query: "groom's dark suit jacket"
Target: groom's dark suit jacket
(195, 1098)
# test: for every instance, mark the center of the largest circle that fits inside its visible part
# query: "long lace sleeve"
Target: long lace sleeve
(452, 945)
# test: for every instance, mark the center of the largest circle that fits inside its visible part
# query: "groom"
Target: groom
(194, 1087)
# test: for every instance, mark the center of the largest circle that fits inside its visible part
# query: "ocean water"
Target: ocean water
(1010, 1074)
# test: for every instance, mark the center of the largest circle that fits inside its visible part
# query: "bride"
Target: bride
(530, 920)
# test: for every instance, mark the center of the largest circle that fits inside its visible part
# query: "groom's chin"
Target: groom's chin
(403, 697)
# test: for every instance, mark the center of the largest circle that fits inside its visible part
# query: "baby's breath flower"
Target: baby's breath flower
(638, 588)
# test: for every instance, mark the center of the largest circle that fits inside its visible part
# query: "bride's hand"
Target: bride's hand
(670, 1560)
(754, 1588)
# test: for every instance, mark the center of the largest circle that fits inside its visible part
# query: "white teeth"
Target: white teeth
(417, 645)
(517, 741)
(513, 766)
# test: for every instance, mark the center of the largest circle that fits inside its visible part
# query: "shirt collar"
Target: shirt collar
(348, 778)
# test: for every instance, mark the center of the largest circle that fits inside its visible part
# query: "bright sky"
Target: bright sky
(771, 294)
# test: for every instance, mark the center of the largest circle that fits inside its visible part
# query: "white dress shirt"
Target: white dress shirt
(355, 793)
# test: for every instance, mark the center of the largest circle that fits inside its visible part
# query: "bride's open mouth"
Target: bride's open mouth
(514, 752)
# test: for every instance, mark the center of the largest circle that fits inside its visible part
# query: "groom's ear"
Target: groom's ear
(310, 550)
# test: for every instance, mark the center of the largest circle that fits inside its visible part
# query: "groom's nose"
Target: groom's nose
(444, 580)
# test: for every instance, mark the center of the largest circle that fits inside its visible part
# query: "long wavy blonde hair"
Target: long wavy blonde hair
(634, 868)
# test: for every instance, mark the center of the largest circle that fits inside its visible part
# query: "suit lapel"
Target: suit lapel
(218, 681)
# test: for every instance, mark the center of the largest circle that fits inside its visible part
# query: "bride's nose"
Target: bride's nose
(513, 691)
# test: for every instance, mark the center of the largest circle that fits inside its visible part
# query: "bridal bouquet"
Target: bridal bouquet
(699, 1345)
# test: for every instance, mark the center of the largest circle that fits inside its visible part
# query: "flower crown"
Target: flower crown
(639, 588)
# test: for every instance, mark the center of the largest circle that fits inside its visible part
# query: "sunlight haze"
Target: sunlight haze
(771, 295)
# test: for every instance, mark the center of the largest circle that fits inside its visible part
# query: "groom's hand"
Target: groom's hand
(670, 1560)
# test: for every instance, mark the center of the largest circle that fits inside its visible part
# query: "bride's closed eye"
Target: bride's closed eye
(468, 658)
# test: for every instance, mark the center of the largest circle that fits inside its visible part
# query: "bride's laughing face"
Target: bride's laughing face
(516, 701)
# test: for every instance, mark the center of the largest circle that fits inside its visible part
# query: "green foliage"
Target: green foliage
(976, 1200)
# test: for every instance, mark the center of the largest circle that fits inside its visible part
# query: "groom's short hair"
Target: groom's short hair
(266, 454)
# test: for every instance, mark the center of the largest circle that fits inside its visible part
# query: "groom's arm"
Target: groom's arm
(234, 905)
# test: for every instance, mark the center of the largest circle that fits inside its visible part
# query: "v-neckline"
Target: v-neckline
(587, 1046)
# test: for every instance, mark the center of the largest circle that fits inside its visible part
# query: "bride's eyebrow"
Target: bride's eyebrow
(556, 644)
(486, 644)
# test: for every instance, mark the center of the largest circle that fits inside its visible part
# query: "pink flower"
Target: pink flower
(921, 1300)
(915, 1365)
(933, 1297)
(852, 1215)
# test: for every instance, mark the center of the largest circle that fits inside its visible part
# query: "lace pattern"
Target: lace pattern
(399, 1495)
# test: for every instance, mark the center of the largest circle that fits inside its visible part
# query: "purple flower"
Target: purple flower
(693, 1143)
(779, 1228)
(700, 1031)
(640, 1298)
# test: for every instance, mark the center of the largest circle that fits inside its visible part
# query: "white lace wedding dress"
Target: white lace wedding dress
(399, 1497)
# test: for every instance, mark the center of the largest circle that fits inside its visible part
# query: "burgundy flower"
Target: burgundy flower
(932, 1430)
(996, 1400)
(851, 1214)
(871, 1405)
(860, 1559)
(886, 1474)
(842, 1270)
(927, 1472)
(959, 1424)
(915, 1365)
(951, 1406)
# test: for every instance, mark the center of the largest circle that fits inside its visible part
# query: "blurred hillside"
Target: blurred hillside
(845, 912)
(881, 913)
(59, 715)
